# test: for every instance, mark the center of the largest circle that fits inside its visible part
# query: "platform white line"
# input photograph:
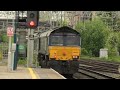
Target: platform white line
(58, 73)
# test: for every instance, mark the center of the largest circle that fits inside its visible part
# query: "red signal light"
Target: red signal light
(32, 23)
(32, 19)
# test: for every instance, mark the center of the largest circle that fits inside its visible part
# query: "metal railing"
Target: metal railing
(3, 51)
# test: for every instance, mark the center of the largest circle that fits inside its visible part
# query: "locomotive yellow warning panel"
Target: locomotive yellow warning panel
(64, 53)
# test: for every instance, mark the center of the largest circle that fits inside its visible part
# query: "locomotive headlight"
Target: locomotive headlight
(75, 56)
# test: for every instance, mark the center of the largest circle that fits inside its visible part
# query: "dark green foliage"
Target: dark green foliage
(118, 42)
(84, 51)
(5, 38)
(112, 44)
(94, 34)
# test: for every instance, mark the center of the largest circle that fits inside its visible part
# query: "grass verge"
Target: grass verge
(114, 59)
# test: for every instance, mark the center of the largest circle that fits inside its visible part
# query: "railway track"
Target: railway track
(92, 74)
(98, 65)
(96, 69)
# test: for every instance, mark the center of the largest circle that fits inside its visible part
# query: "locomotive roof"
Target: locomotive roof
(61, 29)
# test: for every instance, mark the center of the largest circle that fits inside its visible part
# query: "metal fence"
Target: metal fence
(4, 43)
(3, 52)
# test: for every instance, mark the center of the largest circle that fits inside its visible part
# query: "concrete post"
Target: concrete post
(9, 55)
(30, 48)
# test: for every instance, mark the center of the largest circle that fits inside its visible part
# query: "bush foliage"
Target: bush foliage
(93, 35)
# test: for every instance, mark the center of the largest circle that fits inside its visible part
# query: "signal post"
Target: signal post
(32, 23)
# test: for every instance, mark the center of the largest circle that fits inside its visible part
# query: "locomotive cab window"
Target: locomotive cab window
(72, 40)
(56, 40)
(64, 39)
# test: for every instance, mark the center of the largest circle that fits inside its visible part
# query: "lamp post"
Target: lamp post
(15, 41)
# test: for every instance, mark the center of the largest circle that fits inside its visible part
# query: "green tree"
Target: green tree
(111, 19)
(118, 44)
(93, 35)
(112, 44)
(62, 23)
(4, 37)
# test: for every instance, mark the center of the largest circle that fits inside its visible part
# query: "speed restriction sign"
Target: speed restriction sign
(10, 31)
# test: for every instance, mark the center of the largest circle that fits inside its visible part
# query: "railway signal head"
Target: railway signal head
(32, 19)
(32, 23)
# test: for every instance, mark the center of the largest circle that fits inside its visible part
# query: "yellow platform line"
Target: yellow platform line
(32, 73)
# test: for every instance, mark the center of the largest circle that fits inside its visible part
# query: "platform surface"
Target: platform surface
(29, 73)
(48, 73)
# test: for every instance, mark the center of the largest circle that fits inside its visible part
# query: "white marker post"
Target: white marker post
(13, 51)
(10, 34)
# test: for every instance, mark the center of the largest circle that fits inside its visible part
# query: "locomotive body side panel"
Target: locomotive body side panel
(43, 44)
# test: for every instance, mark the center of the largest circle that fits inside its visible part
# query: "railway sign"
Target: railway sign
(21, 47)
(10, 31)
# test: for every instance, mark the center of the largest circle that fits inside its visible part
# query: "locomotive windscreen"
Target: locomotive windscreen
(56, 40)
(72, 40)
(64, 39)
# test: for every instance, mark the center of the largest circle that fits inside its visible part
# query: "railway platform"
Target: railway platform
(29, 73)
